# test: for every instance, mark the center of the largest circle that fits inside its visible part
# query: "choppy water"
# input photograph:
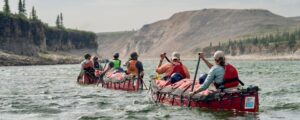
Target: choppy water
(50, 92)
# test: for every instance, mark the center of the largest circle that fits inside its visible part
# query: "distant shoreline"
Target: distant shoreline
(56, 59)
(7, 59)
(248, 57)
(265, 57)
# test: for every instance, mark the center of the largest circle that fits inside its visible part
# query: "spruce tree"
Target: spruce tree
(20, 6)
(24, 7)
(33, 14)
(61, 20)
(57, 22)
(6, 8)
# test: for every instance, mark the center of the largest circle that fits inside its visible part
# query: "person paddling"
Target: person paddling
(87, 69)
(116, 63)
(175, 70)
(134, 66)
(223, 75)
(97, 66)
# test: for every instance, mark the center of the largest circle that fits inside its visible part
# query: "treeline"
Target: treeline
(276, 43)
(27, 34)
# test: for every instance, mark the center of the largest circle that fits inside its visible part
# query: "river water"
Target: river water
(51, 93)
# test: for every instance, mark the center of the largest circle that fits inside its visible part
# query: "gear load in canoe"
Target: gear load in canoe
(177, 94)
(121, 81)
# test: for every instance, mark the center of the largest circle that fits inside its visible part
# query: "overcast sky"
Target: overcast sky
(120, 15)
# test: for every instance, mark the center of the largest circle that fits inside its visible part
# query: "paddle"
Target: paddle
(144, 84)
(102, 74)
(193, 85)
(165, 54)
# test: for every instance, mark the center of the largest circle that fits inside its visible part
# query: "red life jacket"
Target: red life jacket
(89, 74)
(231, 78)
(88, 65)
(178, 68)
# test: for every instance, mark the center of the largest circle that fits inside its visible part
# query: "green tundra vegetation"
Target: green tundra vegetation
(27, 35)
(273, 43)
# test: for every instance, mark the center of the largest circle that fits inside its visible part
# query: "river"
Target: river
(51, 93)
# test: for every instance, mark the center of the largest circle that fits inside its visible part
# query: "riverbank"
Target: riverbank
(265, 57)
(8, 59)
(73, 57)
(258, 57)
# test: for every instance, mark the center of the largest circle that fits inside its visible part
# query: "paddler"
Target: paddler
(97, 66)
(175, 70)
(87, 70)
(134, 66)
(116, 63)
(222, 74)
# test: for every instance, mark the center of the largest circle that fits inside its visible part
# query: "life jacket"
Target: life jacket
(117, 64)
(231, 78)
(178, 68)
(132, 67)
(89, 72)
(88, 64)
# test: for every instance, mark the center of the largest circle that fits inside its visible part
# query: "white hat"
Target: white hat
(175, 55)
(219, 54)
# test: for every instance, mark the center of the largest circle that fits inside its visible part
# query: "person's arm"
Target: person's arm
(140, 68)
(162, 69)
(209, 79)
(110, 65)
(209, 65)
(120, 64)
(162, 57)
(82, 68)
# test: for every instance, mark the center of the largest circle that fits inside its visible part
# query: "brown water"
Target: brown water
(51, 93)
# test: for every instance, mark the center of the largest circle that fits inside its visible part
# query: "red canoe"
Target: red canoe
(121, 81)
(242, 100)
(89, 79)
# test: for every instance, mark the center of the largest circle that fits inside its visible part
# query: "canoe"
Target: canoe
(88, 79)
(177, 94)
(121, 81)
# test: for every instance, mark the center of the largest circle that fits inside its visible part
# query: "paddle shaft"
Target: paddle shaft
(168, 59)
(193, 85)
(102, 74)
(195, 74)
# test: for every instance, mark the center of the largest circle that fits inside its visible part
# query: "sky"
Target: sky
(123, 15)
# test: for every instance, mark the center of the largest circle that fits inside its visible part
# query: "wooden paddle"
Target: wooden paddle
(193, 85)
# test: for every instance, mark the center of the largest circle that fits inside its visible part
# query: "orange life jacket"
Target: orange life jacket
(178, 68)
(231, 78)
(132, 67)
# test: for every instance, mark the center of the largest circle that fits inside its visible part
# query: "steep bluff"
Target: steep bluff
(190, 31)
(19, 35)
